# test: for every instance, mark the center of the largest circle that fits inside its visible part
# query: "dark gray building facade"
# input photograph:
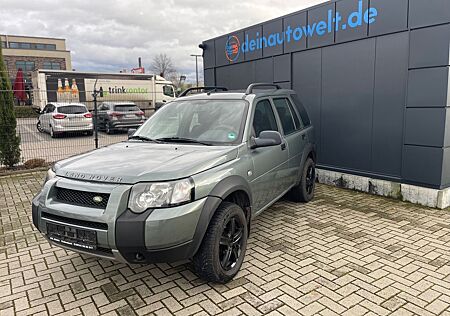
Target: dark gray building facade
(373, 74)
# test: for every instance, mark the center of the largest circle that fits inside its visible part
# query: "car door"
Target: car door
(42, 118)
(45, 120)
(101, 115)
(49, 115)
(294, 135)
(270, 164)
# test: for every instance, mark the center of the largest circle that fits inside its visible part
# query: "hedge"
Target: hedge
(25, 112)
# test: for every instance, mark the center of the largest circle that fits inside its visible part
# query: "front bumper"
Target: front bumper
(157, 235)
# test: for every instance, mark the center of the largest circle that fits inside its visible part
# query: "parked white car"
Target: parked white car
(59, 118)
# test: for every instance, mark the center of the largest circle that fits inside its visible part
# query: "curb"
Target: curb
(7, 173)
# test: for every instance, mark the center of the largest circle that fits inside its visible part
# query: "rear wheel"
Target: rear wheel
(39, 127)
(304, 191)
(223, 248)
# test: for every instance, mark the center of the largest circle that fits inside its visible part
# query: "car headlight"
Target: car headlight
(51, 173)
(163, 194)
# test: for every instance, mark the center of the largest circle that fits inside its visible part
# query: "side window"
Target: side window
(298, 123)
(45, 110)
(168, 90)
(285, 115)
(301, 110)
(264, 118)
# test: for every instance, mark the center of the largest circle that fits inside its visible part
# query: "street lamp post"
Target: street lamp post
(196, 66)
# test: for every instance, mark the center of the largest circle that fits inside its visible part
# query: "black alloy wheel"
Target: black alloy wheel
(310, 179)
(231, 243)
(222, 250)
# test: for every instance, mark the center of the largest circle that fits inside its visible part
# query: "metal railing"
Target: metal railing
(54, 136)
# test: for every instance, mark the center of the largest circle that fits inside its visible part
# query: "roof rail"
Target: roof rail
(257, 85)
(202, 89)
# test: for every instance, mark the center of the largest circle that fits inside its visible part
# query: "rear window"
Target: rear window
(126, 108)
(72, 109)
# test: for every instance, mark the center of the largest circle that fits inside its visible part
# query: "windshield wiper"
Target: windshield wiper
(182, 140)
(144, 138)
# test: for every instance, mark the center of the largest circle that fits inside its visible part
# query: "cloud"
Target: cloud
(111, 35)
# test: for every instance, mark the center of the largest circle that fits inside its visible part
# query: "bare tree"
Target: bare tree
(162, 65)
(176, 79)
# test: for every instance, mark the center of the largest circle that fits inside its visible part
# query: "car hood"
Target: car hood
(131, 162)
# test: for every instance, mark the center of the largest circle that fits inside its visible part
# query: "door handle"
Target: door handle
(283, 146)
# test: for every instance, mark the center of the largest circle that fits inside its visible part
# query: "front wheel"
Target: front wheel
(52, 133)
(304, 191)
(223, 248)
(108, 129)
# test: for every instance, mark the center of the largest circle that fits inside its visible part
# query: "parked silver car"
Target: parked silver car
(59, 118)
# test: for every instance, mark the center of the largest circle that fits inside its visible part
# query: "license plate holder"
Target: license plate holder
(72, 236)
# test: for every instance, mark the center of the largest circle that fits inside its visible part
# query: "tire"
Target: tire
(39, 127)
(304, 191)
(210, 262)
(52, 133)
(108, 129)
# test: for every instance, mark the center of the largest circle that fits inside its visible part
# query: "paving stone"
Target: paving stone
(345, 253)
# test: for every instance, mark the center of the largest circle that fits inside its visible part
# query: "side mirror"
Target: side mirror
(266, 139)
(131, 132)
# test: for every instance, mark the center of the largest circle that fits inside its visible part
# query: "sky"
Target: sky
(110, 35)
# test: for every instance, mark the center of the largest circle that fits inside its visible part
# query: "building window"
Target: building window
(17, 45)
(39, 46)
(52, 65)
(25, 65)
(25, 45)
(50, 47)
(3, 44)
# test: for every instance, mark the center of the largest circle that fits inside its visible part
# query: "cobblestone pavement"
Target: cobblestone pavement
(345, 253)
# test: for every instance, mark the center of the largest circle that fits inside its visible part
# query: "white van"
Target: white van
(147, 91)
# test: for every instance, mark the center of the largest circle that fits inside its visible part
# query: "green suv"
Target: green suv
(186, 184)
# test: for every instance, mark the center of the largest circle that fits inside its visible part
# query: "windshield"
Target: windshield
(207, 121)
(72, 109)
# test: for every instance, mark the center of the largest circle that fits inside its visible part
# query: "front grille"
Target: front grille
(74, 221)
(82, 198)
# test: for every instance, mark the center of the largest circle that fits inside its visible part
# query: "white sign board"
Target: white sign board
(119, 90)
